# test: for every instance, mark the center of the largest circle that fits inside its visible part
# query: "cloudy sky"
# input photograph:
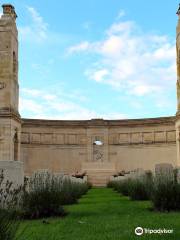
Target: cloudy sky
(83, 59)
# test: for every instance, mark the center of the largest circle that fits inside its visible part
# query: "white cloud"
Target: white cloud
(83, 46)
(132, 61)
(44, 105)
(37, 30)
(60, 93)
(38, 21)
(142, 90)
(100, 75)
(32, 106)
(35, 93)
(124, 28)
(32, 92)
(112, 46)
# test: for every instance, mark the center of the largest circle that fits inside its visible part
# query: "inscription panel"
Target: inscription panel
(46, 138)
(171, 136)
(72, 139)
(136, 138)
(160, 136)
(25, 137)
(36, 138)
(123, 138)
(59, 139)
(148, 137)
(113, 139)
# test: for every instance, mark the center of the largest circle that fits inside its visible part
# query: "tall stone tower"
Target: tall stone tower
(10, 121)
(178, 87)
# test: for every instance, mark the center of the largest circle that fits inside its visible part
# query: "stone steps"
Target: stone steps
(98, 178)
(98, 173)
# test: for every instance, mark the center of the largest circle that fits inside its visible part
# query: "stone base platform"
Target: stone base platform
(99, 173)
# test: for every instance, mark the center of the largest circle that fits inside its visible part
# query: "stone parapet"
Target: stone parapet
(110, 123)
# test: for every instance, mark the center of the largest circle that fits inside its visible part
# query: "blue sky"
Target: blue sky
(88, 59)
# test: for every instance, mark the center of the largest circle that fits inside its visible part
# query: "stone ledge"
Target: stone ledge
(10, 113)
(91, 123)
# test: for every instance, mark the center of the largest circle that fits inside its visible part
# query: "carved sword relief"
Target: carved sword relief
(98, 149)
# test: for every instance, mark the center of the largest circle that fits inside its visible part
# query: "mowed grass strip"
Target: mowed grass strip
(103, 214)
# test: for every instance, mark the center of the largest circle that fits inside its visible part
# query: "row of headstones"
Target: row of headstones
(45, 176)
(59, 176)
(161, 170)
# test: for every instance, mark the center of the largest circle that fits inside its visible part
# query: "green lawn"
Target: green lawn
(103, 214)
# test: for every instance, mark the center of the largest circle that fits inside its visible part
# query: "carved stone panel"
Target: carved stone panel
(59, 139)
(136, 138)
(171, 136)
(123, 138)
(46, 138)
(160, 137)
(25, 138)
(98, 148)
(98, 154)
(72, 139)
(35, 138)
(148, 137)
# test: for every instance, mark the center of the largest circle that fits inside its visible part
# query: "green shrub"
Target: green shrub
(124, 186)
(42, 203)
(138, 190)
(166, 195)
(121, 186)
(42, 198)
(71, 191)
(9, 224)
(163, 190)
(10, 197)
(141, 188)
(110, 184)
(47, 194)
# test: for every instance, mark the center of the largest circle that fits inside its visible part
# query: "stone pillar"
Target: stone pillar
(10, 120)
(177, 124)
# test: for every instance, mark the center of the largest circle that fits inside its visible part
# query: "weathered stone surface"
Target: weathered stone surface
(136, 138)
(164, 169)
(10, 122)
(160, 137)
(68, 146)
(171, 136)
(13, 171)
(148, 137)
